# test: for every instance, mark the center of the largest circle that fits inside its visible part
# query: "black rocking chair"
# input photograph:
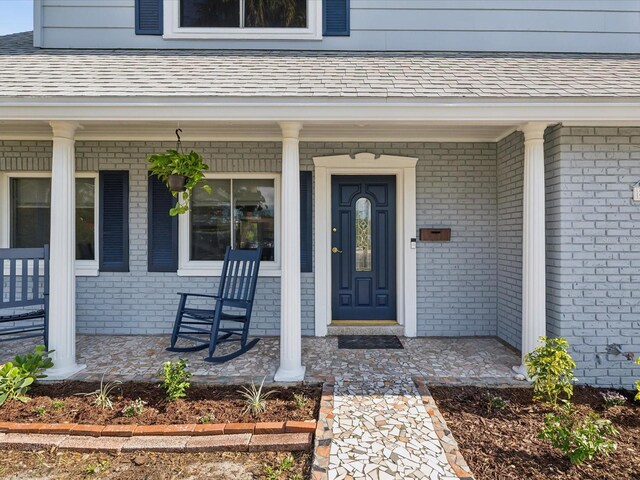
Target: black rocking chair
(236, 291)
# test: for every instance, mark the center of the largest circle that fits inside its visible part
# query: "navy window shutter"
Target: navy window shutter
(306, 223)
(114, 221)
(149, 17)
(336, 20)
(163, 228)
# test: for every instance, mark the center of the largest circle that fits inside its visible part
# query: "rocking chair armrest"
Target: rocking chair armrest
(184, 294)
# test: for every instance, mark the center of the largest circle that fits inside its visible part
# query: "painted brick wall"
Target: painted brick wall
(510, 156)
(456, 187)
(595, 252)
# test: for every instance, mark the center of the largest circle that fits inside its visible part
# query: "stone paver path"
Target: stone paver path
(382, 431)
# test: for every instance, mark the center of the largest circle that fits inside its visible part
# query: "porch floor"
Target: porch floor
(464, 360)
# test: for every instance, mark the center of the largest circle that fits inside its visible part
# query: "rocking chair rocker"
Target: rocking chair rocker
(236, 291)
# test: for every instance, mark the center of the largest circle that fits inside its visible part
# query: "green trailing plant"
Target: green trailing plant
(255, 400)
(175, 379)
(17, 377)
(102, 396)
(613, 399)
(174, 162)
(134, 409)
(578, 438)
(550, 368)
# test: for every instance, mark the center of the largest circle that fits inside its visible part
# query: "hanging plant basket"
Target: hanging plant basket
(177, 183)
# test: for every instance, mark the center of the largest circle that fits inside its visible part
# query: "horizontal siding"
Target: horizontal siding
(439, 25)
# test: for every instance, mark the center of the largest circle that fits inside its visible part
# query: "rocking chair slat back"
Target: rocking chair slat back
(239, 277)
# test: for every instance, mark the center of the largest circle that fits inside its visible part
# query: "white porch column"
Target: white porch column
(291, 369)
(62, 290)
(534, 313)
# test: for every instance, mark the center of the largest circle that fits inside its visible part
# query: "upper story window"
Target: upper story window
(243, 19)
(243, 13)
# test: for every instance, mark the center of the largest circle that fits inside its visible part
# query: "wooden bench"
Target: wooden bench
(24, 293)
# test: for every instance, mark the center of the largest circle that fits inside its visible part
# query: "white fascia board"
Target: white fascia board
(256, 109)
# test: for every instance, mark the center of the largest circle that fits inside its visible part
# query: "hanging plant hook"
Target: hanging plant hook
(179, 143)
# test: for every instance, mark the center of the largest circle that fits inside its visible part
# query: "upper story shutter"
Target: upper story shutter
(114, 221)
(163, 228)
(306, 223)
(336, 18)
(149, 17)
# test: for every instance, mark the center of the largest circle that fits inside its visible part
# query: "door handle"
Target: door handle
(335, 250)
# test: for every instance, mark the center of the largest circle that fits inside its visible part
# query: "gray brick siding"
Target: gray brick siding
(594, 248)
(510, 159)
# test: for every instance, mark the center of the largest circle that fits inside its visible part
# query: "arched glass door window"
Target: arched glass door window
(363, 235)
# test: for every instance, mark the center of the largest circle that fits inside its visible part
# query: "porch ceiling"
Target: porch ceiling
(266, 131)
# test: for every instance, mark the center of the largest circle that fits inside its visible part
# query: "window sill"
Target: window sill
(243, 34)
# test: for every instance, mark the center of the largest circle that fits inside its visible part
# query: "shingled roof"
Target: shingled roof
(26, 71)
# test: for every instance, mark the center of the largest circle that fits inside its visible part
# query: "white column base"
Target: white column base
(520, 373)
(290, 375)
(64, 372)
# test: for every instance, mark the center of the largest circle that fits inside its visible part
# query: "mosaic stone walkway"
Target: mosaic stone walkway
(382, 431)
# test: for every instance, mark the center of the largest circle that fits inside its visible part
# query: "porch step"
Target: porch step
(366, 330)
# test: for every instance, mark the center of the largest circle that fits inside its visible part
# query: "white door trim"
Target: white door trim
(404, 169)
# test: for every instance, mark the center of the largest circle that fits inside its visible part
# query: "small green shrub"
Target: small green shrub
(613, 399)
(579, 439)
(300, 400)
(57, 405)
(102, 396)
(255, 399)
(34, 363)
(206, 419)
(134, 409)
(285, 466)
(495, 403)
(17, 377)
(40, 411)
(175, 379)
(551, 369)
(96, 468)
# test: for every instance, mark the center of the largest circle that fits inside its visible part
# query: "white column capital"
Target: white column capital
(533, 131)
(290, 129)
(62, 129)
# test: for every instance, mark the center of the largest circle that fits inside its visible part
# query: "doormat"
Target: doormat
(369, 342)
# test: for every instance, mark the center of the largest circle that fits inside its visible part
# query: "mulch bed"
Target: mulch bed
(505, 445)
(157, 466)
(59, 403)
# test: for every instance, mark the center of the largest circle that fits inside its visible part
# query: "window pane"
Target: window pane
(254, 215)
(211, 221)
(275, 13)
(30, 212)
(210, 13)
(85, 218)
(363, 235)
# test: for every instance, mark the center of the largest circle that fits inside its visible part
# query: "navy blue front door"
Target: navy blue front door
(363, 235)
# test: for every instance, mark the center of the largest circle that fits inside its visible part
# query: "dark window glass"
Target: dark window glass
(211, 221)
(243, 13)
(31, 214)
(254, 206)
(275, 13)
(210, 13)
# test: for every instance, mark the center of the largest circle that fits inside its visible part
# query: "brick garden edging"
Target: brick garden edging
(189, 430)
(449, 444)
(324, 432)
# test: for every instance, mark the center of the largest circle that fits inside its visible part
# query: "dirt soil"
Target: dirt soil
(505, 445)
(59, 403)
(18, 465)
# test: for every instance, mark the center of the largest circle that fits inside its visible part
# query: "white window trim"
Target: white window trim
(84, 268)
(173, 30)
(213, 268)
